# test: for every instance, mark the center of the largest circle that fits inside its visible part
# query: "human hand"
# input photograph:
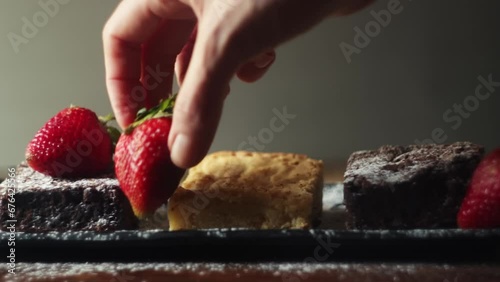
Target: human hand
(207, 42)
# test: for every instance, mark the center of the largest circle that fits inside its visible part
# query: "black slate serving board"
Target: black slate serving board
(330, 242)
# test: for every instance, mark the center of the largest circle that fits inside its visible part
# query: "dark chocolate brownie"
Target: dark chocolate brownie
(406, 187)
(43, 203)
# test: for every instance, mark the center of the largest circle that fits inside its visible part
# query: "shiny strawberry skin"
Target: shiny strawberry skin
(481, 206)
(73, 143)
(144, 168)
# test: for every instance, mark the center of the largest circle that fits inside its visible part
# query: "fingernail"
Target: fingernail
(180, 149)
(264, 60)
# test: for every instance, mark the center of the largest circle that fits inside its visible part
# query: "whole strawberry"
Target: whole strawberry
(481, 206)
(73, 143)
(142, 160)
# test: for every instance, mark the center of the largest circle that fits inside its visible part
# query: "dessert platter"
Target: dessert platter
(397, 203)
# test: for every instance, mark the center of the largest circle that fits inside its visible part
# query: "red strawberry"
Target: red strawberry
(481, 206)
(142, 160)
(73, 143)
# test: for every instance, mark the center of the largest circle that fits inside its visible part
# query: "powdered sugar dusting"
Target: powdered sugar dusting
(393, 164)
(334, 211)
(333, 196)
(28, 179)
(252, 272)
(377, 168)
(159, 220)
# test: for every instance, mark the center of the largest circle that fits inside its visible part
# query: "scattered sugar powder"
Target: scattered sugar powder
(375, 169)
(333, 196)
(28, 179)
(273, 271)
(392, 164)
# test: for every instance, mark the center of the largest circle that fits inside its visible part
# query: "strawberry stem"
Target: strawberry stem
(113, 132)
(105, 119)
(164, 109)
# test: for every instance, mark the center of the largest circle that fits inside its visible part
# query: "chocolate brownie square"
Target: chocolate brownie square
(406, 187)
(43, 203)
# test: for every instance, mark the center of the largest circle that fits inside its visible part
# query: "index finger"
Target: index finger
(131, 24)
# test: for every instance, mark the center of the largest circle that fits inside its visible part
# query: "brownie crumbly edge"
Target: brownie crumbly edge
(45, 204)
(403, 187)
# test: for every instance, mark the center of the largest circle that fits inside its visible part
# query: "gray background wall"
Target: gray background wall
(394, 91)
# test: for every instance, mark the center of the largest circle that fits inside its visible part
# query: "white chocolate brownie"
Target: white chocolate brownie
(249, 190)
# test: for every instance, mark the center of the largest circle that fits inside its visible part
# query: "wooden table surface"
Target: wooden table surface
(187, 272)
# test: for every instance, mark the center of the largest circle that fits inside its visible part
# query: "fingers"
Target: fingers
(130, 25)
(207, 62)
(158, 58)
(257, 67)
(249, 72)
(184, 57)
(347, 7)
(199, 105)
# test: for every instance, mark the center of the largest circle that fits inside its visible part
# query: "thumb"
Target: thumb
(200, 101)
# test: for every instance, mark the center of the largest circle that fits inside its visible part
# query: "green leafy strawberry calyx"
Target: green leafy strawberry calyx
(113, 132)
(164, 109)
